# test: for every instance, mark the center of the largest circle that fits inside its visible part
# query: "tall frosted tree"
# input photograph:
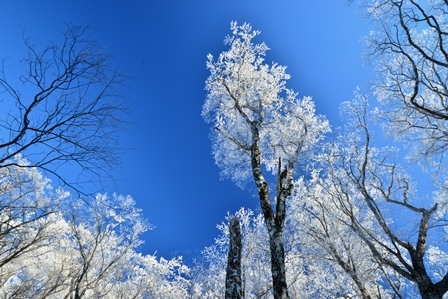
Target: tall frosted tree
(259, 126)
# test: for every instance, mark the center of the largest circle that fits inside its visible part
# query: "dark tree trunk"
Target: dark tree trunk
(234, 288)
(429, 290)
(430, 294)
(274, 221)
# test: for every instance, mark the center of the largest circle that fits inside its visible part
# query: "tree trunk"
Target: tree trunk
(431, 295)
(234, 288)
(430, 291)
(278, 268)
(274, 222)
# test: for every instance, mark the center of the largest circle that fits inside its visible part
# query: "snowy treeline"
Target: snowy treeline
(343, 218)
(57, 246)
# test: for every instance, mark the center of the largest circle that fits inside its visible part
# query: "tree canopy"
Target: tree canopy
(341, 214)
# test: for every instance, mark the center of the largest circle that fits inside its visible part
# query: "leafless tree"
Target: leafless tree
(366, 190)
(67, 109)
(410, 49)
(63, 110)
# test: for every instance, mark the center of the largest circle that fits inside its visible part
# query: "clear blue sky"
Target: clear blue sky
(163, 45)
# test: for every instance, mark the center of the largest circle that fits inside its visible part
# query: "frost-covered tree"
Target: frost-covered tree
(28, 206)
(365, 212)
(53, 246)
(410, 49)
(209, 273)
(259, 125)
(99, 238)
(311, 274)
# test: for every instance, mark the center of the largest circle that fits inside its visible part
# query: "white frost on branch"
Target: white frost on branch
(244, 94)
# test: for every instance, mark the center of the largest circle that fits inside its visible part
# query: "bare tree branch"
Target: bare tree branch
(70, 111)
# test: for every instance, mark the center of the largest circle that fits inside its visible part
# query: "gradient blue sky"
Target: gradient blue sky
(163, 45)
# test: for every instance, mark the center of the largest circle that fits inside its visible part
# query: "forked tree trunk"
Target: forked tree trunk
(234, 288)
(274, 221)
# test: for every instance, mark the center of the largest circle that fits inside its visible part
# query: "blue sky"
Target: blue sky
(163, 45)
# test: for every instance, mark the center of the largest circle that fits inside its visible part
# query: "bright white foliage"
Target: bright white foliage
(311, 273)
(244, 94)
(53, 246)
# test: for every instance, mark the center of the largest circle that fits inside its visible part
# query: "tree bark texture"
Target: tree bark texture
(274, 221)
(278, 268)
(234, 288)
